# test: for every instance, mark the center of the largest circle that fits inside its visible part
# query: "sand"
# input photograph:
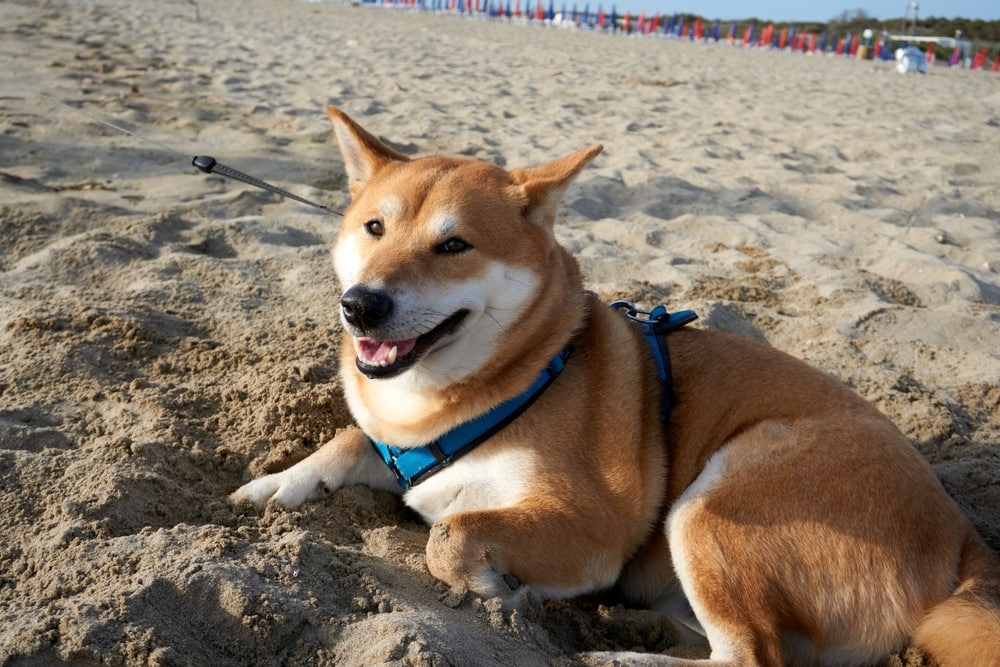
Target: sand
(165, 336)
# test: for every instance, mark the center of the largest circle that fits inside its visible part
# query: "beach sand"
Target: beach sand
(166, 336)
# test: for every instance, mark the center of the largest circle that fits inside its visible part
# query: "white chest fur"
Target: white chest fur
(479, 480)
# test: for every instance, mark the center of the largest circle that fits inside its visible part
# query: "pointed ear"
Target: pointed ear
(542, 187)
(363, 154)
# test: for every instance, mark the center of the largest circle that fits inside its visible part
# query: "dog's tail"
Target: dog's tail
(964, 630)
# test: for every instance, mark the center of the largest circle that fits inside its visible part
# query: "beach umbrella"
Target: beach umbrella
(699, 29)
(654, 24)
(600, 17)
(791, 38)
(748, 35)
(822, 42)
(614, 19)
(955, 55)
(715, 30)
(766, 34)
(996, 63)
(626, 20)
(980, 59)
(731, 37)
(551, 13)
(930, 53)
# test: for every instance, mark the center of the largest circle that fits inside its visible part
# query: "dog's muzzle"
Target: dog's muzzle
(367, 312)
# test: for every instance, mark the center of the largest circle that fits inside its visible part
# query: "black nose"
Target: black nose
(365, 308)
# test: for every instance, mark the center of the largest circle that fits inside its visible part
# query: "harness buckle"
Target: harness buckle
(657, 321)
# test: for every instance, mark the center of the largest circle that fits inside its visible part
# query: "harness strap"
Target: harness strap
(413, 465)
(655, 325)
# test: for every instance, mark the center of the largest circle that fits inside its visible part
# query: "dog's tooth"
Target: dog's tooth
(391, 359)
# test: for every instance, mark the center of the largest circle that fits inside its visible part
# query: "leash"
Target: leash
(204, 163)
(655, 325)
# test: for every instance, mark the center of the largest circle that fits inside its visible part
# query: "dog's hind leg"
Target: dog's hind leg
(735, 613)
(347, 459)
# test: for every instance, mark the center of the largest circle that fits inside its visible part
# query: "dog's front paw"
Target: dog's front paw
(289, 488)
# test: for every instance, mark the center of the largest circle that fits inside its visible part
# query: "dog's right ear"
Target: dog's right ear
(542, 187)
(363, 154)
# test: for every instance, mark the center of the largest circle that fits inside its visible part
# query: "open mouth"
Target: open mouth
(385, 358)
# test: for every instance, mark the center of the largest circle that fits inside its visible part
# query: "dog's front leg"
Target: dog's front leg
(347, 459)
(520, 555)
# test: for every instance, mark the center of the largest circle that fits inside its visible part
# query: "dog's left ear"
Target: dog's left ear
(542, 187)
(363, 154)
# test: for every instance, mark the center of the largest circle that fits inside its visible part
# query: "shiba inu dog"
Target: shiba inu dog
(773, 512)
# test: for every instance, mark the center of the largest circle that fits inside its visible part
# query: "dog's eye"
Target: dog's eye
(375, 227)
(453, 246)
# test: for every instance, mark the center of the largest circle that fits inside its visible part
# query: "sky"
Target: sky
(813, 10)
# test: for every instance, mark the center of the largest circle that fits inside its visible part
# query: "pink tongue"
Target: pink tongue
(374, 351)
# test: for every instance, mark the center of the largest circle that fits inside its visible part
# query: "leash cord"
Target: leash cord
(204, 163)
(210, 165)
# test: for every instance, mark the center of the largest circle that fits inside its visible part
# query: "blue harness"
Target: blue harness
(413, 465)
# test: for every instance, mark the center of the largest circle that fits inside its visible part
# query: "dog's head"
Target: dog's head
(438, 257)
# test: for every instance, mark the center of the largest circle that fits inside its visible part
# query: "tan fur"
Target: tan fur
(800, 523)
